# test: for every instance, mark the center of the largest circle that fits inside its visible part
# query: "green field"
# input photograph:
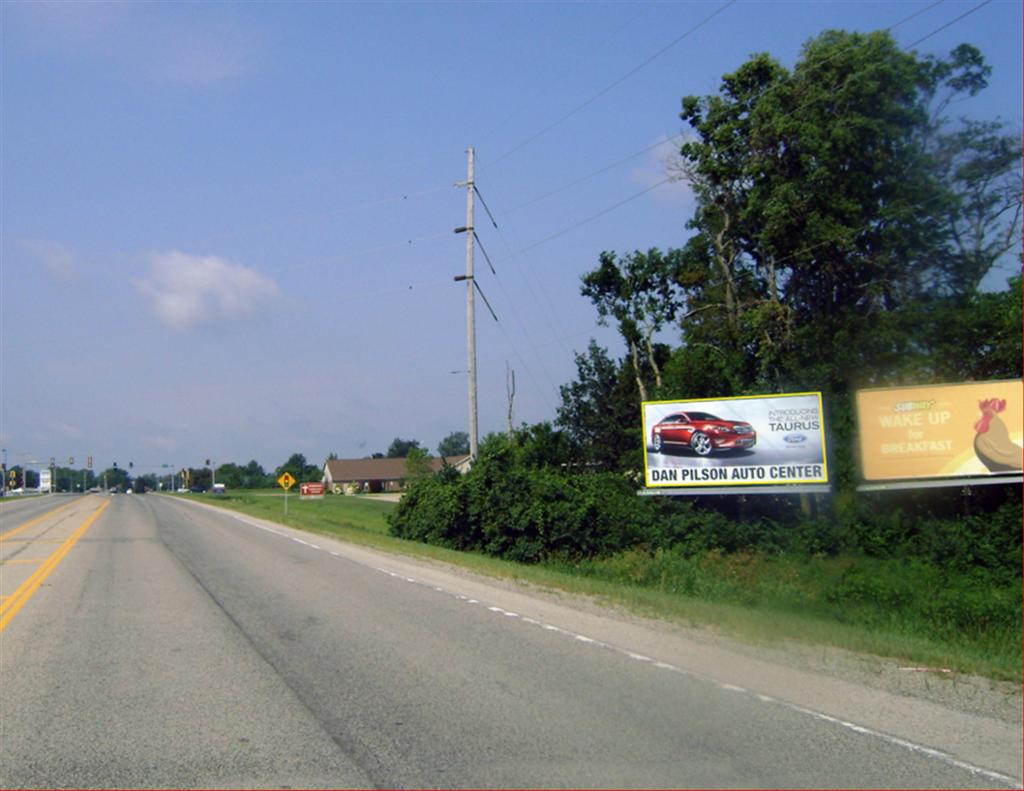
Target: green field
(883, 607)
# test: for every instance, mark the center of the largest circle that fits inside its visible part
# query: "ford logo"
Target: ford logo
(794, 439)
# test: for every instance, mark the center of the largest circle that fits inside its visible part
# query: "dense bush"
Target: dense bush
(525, 500)
(512, 505)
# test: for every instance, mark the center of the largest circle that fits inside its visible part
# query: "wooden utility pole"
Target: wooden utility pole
(471, 311)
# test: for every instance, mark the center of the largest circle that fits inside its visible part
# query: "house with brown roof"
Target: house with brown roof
(356, 476)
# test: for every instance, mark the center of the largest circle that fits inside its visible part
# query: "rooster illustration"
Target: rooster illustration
(992, 441)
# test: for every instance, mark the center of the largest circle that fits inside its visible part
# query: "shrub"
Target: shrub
(521, 512)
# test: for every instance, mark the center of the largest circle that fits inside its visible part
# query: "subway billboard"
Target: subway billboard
(753, 440)
(941, 431)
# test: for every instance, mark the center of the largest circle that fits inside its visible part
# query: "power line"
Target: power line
(598, 47)
(949, 23)
(592, 174)
(614, 84)
(593, 217)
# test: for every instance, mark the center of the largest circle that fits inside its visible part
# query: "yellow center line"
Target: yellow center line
(36, 521)
(10, 606)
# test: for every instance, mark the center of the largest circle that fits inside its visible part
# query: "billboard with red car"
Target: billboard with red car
(771, 439)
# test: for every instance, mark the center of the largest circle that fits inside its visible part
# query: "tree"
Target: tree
(639, 292)
(114, 478)
(600, 412)
(399, 448)
(417, 464)
(982, 165)
(255, 477)
(825, 210)
(455, 444)
(299, 469)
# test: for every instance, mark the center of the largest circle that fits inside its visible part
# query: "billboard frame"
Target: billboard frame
(703, 491)
(807, 486)
(929, 482)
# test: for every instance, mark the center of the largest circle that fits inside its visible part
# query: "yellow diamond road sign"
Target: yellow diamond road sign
(286, 481)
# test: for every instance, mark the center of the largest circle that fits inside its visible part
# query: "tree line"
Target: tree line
(233, 475)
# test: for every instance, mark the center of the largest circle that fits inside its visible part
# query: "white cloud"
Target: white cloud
(56, 259)
(186, 291)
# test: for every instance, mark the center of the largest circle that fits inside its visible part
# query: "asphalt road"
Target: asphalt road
(176, 646)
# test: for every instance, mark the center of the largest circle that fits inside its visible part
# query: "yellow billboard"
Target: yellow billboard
(940, 431)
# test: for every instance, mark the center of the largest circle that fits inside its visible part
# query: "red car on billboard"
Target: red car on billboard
(702, 433)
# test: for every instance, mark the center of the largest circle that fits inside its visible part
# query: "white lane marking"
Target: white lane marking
(929, 752)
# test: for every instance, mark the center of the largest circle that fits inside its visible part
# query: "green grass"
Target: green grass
(911, 612)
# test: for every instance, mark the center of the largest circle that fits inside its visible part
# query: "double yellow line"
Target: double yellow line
(10, 606)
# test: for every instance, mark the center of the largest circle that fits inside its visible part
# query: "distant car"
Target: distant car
(702, 433)
(197, 489)
(127, 491)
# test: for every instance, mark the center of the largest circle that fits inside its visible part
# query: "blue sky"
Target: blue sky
(226, 228)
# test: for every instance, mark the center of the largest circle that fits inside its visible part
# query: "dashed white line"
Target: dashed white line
(894, 740)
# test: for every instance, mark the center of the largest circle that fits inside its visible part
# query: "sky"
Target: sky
(226, 229)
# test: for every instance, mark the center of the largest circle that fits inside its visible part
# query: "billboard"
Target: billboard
(752, 440)
(939, 431)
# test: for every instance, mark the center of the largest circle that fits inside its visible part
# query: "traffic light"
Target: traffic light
(88, 462)
(131, 465)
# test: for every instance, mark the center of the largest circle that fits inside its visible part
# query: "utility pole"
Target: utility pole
(471, 310)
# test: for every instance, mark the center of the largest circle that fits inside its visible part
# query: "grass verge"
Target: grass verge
(911, 612)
